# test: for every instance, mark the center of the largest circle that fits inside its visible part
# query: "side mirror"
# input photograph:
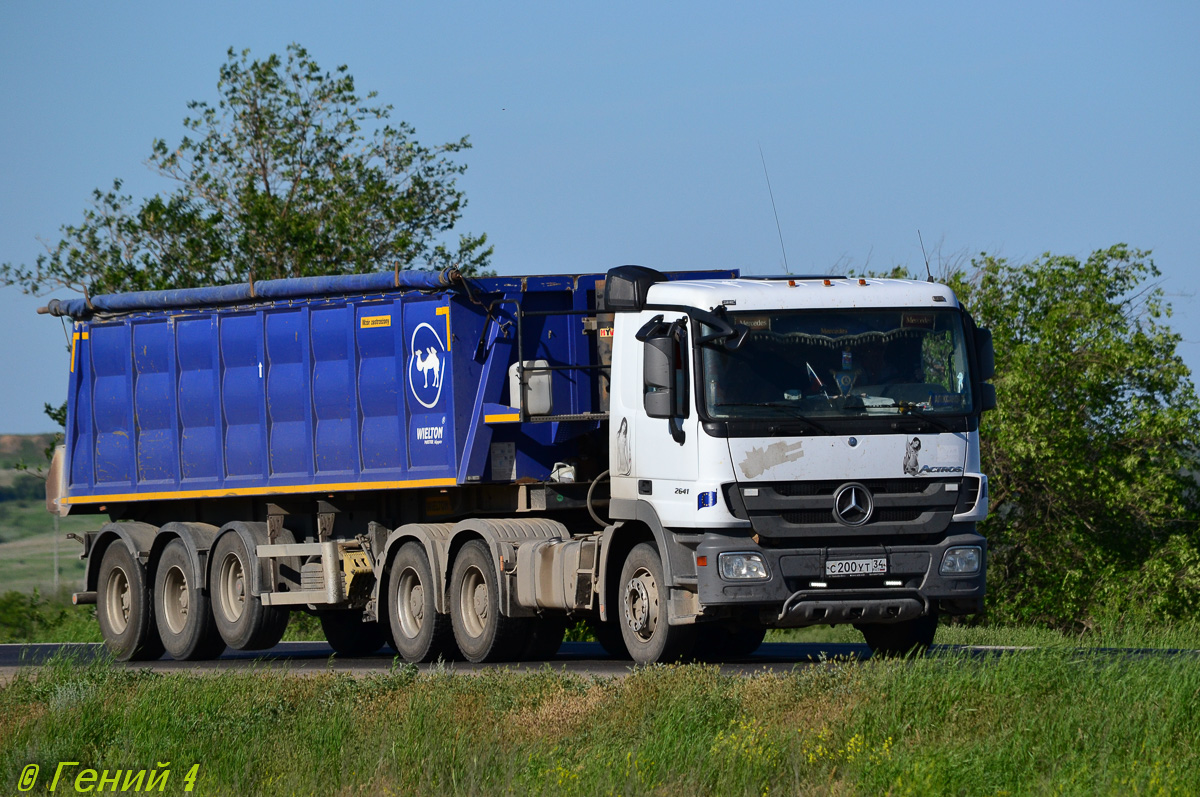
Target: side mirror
(985, 354)
(658, 377)
(987, 397)
(664, 368)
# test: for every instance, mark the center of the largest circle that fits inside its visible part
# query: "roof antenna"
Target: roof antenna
(772, 193)
(928, 273)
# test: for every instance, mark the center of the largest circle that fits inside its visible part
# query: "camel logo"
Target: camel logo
(426, 365)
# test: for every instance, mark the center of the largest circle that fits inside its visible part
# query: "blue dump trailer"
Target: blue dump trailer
(460, 466)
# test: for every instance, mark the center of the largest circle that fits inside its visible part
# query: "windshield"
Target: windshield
(844, 363)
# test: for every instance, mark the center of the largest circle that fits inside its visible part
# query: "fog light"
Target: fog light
(742, 566)
(962, 561)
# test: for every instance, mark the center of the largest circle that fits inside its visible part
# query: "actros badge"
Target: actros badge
(426, 365)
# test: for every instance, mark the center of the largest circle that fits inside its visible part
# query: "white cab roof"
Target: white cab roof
(799, 294)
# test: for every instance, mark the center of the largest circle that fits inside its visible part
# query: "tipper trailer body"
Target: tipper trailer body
(462, 466)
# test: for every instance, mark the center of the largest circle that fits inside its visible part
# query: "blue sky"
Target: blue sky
(610, 133)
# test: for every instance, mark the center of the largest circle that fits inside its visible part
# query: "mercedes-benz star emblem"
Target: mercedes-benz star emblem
(852, 504)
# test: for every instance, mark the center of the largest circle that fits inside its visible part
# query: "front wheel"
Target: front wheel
(648, 635)
(736, 638)
(898, 640)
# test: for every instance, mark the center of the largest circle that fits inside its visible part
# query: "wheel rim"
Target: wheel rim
(641, 604)
(232, 588)
(175, 599)
(118, 597)
(473, 602)
(410, 603)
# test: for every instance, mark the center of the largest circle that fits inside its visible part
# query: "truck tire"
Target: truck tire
(182, 611)
(242, 619)
(608, 634)
(349, 636)
(730, 639)
(898, 640)
(482, 633)
(419, 633)
(545, 638)
(643, 610)
(123, 607)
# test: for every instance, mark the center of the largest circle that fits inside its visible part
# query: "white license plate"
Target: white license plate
(855, 567)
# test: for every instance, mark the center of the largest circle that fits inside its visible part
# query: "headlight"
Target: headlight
(742, 566)
(962, 561)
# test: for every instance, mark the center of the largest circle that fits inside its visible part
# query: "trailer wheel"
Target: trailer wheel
(348, 635)
(419, 633)
(183, 611)
(123, 607)
(242, 619)
(643, 612)
(898, 640)
(482, 633)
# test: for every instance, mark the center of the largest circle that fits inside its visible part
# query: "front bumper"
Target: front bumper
(798, 592)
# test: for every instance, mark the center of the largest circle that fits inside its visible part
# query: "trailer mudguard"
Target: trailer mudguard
(198, 538)
(137, 537)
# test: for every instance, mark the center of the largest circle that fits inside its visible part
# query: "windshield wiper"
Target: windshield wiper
(793, 414)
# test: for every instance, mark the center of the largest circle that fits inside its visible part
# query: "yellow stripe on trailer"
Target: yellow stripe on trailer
(235, 492)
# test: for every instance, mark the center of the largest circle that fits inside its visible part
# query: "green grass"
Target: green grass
(1114, 634)
(27, 547)
(1041, 722)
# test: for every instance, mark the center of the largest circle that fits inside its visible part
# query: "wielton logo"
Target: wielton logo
(426, 365)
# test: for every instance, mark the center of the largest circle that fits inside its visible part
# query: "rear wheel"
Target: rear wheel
(481, 631)
(419, 633)
(608, 634)
(545, 638)
(648, 635)
(123, 607)
(897, 640)
(349, 636)
(182, 610)
(242, 619)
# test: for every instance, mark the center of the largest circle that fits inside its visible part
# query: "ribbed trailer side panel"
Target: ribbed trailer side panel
(291, 397)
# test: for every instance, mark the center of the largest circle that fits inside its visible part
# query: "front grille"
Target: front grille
(808, 517)
(901, 506)
(906, 515)
(970, 490)
(876, 486)
(812, 517)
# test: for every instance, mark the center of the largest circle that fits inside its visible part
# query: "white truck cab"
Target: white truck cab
(804, 450)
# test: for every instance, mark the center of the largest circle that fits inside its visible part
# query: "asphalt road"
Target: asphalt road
(579, 658)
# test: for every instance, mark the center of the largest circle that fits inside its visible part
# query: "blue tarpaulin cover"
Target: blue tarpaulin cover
(290, 288)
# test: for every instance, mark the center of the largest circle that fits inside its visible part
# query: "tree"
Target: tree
(1092, 450)
(291, 173)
